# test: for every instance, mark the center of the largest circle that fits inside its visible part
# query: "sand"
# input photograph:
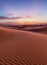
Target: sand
(42, 30)
(22, 48)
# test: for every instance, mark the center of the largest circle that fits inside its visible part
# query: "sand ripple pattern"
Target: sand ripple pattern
(11, 56)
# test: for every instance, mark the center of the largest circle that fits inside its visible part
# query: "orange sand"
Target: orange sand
(22, 47)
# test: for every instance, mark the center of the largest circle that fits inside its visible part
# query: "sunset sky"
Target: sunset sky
(26, 10)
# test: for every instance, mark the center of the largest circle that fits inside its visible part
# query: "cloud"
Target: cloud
(2, 17)
(10, 11)
(10, 14)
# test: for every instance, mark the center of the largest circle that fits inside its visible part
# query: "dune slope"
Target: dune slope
(22, 48)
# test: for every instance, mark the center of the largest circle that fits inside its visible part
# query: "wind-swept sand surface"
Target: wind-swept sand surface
(22, 47)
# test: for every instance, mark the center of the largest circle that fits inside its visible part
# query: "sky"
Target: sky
(27, 10)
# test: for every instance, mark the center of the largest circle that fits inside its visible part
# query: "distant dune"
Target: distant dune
(41, 30)
(22, 47)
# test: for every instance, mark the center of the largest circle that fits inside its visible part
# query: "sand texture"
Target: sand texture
(22, 47)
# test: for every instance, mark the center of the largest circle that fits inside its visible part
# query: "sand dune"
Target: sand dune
(41, 30)
(22, 47)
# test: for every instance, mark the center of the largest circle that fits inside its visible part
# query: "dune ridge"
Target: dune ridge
(22, 47)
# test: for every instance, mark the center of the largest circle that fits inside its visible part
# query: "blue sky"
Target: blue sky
(20, 6)
(32, 8)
